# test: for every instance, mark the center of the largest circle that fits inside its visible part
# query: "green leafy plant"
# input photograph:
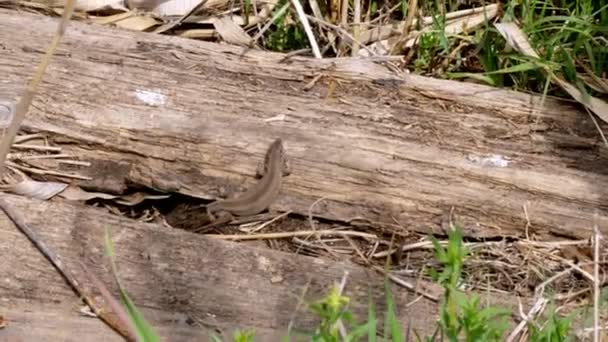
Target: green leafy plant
(461, 317)
(554, 328)
(244, 336)
(287, 35)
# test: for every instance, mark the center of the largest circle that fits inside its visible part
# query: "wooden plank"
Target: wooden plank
(404, 152)
(178, 279)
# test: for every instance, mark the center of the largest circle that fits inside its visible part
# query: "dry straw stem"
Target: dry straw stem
(529, 243)
(356, 26)
(261, 32)
(341, 287)
(411, 13)
(265, 224)
(405, 284)
(316, 233)
(126, 326)
(341, 31)
(311, 37)
(517, 39)
(536, 309)
(596, 281)
(26, 99)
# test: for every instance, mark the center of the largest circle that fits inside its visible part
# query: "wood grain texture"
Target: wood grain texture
(183, 116)
(184, 283)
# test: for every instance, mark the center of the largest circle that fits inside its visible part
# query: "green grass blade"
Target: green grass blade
(392, 323)
(143, 330)
(371, 319)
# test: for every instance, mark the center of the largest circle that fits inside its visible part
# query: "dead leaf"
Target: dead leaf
(516, 38)
(75, 193)
(231, 32)
(138, 23)
(38, 190)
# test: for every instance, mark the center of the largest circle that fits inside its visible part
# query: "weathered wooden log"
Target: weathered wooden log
(185, 284)
(190, 117)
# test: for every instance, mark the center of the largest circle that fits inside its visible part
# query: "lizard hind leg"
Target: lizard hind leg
(223, 217)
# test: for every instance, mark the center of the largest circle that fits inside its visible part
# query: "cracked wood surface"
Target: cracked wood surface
(185, 284)
(191, 117)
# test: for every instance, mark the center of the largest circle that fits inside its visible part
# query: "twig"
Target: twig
(47, 172)
(313, 227)
(596, 280)
(341, 287)
(123, 322)
(343, 15)
(538, 307)
(356, 26)
(311, 222)
(298, 306)
(261, 226)
(282, 235)
(19, 221)
(407, 25)
(405, 284)
(58, 264)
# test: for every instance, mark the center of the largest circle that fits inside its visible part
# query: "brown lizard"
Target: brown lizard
(257, 198)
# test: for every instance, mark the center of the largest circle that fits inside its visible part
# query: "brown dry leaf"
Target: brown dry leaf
(231, 32)
(129, 20)
(75, 193)
(592, 82)
(38, 190)
(517, 39)
(599, 107)
(19, 183)
(138, 23)
(197, 33)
